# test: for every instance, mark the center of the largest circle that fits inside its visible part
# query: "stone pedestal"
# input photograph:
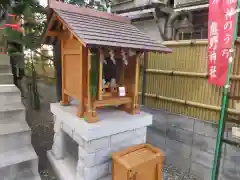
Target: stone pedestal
(82, 151)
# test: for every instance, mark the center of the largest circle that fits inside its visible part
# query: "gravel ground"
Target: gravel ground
(41, 123)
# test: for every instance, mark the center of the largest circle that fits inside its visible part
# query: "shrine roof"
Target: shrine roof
(104, 29)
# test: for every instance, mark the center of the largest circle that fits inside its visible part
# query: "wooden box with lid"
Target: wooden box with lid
(141, 162)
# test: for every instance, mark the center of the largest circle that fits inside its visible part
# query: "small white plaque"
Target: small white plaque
(122, 91)
(236, 132)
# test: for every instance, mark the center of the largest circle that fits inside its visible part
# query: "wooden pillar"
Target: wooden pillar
(65, 98)
(90, 112)
(80, 111)
(100, 74)
(135, 104)
(144, 74)
(85, 87)
(122, 74)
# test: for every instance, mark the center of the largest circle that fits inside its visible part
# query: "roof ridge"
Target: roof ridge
(53, 4)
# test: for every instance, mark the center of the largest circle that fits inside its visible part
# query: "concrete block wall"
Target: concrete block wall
(189, 144)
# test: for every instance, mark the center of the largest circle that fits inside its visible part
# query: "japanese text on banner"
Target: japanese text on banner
(222, 19)
(213, 40)
(227, 37)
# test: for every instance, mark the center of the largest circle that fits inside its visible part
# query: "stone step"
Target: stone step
(9, 94)
(12, 115)
(26, 175)
(14, 131)
(9, 99)
(10, 140)
(5, 69)
(30, 178)
(6, 78)
(12, 127)
(19, 164)
(9, 88)
(11, 107)
(4, 59)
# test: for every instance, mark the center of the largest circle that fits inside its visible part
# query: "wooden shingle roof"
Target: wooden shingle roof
(104, 29)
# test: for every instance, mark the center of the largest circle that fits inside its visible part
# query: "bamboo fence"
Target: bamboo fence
(177, 82)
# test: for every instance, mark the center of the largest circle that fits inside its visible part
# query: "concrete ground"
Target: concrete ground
(41, 123)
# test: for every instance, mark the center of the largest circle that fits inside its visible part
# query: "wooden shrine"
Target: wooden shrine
(100, 58)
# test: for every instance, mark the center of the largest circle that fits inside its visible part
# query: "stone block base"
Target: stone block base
(82, 151)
